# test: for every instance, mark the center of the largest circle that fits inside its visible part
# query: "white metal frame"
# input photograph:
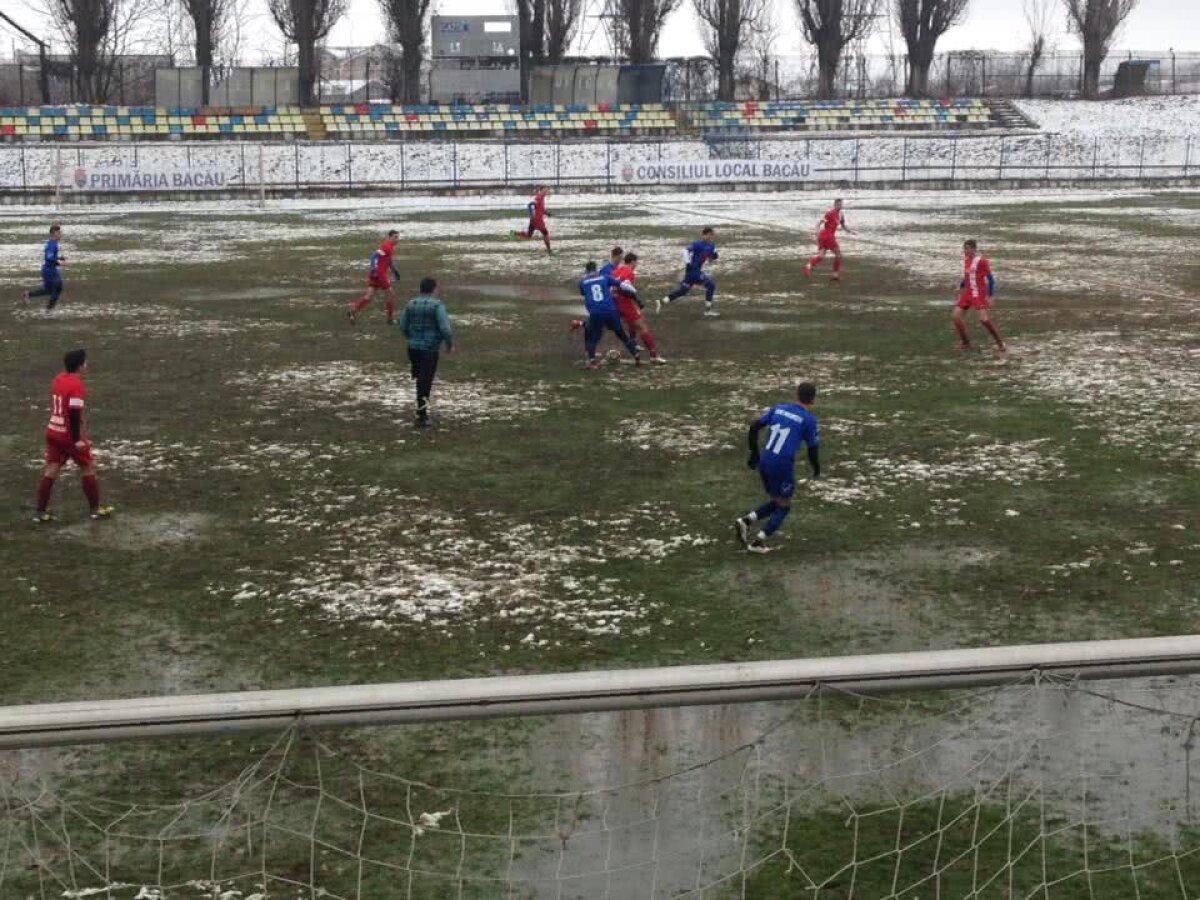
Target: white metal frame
(577, 692)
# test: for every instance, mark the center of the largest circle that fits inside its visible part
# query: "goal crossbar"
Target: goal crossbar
(99, 721)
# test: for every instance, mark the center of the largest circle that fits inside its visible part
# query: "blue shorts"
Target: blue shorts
(51, 279)
(693, 278)
(778, 481)
(605, 318)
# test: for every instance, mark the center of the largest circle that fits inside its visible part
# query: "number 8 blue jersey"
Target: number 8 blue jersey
(789, 425)
(597, 293)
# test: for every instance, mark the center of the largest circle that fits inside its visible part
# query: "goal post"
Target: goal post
(1041, 772)
(98, 721)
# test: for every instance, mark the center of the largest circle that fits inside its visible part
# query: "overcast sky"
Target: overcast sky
(1155, 25)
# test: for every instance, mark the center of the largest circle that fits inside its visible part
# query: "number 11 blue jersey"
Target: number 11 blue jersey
(790, 425)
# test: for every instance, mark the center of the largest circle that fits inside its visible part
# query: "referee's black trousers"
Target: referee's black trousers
(424, 366)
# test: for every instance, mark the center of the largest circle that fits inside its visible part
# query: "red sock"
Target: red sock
(91, 490)
(546, 241)
(391, 309)
(962, 331)
(837, 264)
(651, 344)
(361, 304)
(994, 332)
(815, 261)
(45, 486)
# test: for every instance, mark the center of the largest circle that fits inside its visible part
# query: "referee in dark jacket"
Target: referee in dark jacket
(426, 326)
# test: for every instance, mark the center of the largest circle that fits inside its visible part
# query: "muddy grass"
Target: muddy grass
(281, 523)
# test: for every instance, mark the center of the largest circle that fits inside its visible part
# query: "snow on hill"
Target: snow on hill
(1173, 116)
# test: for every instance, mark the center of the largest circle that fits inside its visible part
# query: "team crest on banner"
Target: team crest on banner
(627, 172)
(80, 177)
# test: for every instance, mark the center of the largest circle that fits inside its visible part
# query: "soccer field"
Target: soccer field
(281, 523)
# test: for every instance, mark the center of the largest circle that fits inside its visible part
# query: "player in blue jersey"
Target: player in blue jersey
(614, 259)
(695, 257)
(52, 261)
(789, 425)
(615, 256)
(597, 289)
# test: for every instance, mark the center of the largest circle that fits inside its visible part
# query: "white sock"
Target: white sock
(761, 537)
(750, 517)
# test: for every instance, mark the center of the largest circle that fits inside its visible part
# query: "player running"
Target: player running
(827, 240)
(52, 262)
(790, 425)
(975, 291)
(597, 289)
(630, 307)
(379, 280)
(537, 219)
(697, 254)
(66, 438)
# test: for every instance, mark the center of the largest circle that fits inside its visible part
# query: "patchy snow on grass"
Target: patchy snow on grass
(190, 328)
(1141, 389)
(869, 479)
(675, 434)
(71, 308)
(409, 564)
(149, 458)
(349, 386)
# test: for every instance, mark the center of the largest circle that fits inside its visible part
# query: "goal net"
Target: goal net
(1038, 789)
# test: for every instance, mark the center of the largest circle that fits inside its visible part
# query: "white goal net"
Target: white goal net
(1038, 789)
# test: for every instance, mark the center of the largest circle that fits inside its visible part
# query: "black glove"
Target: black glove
(752, 462)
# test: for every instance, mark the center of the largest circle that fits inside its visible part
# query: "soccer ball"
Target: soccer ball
(613, 356)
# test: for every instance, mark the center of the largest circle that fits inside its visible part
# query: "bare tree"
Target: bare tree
(306, 23)
(634, 26)
(763, 61)
(1096, 21)
(829, 25)
(210, 20)
(562, 20)
(922, 23)
(531, 22)
(405, 20)
(1037, 17)
(97, 33)
(727, 26)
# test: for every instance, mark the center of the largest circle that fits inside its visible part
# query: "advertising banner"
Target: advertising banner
(713, 171)
(119, 175)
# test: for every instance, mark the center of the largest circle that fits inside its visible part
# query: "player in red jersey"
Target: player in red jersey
(630, 308)
(379, 280)
(66, 438)
(827, 240)
(975, 291)
(537, 218)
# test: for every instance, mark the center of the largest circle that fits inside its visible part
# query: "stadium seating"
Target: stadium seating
(144, 122)
(839, 115)
(381, 120)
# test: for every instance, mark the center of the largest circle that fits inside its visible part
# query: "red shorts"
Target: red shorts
(967, 301)
(378, 282)
(629, 310)
(60, 451)
(828, 242)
